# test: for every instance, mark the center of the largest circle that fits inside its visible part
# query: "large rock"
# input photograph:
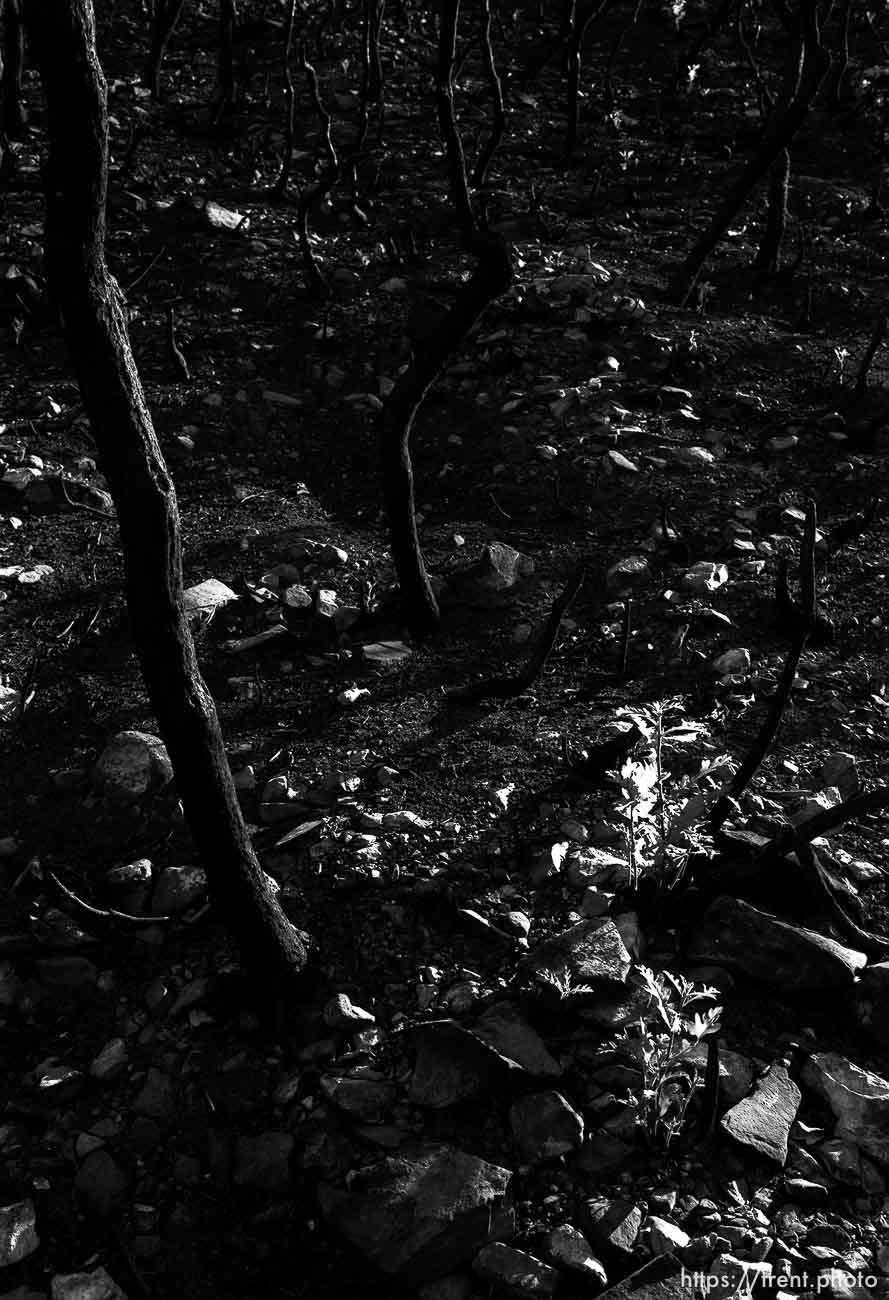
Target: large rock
(858, 1099)
(503, 1028)
(178, 889)
(97, 1285)
(590, 952)
(515, 1272)
(453, 1064)
(424, 1212)
(205, 600)
(735, 1071)
(545, 1125)
(733, 933)
(611, 1225)
(569, 1248)
(132, 765)
(662, 1278)
(764, 1119)
(18, 1232)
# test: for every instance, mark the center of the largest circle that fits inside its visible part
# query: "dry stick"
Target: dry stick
(508, 688)
(626, 629)
(176, 353)
(280, 187)
(772, 720)
(579, 25)
(92, 917)
(873, 347)
(371, 70)
(312, 193)
(166, 18)
(447, 121)
(492, 276)
(498, 126)
(128, 288)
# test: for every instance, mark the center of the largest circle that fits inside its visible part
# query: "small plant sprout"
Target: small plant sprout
(660, 1044)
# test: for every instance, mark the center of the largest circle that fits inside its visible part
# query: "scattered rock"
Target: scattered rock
(18, 1232)
(365, 1099)
(734, 933)
(661, 1236)
(515, 1271)
(341, 1013)
(569, 1248)
(590, 951)
(662, 1278)
(858, 1099)
(178, 889)
(133, 764)
(423, 1212)
(204, 601)
(502, 1027)
(763, 1120)
(729, 1276)
(453, 1064)
(612, 1225)
(545, 1125)
(385, 656)
(97, 1285)
(841, 770)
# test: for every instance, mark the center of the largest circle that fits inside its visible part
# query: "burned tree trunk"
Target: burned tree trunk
(12, 62)
(808, 63)
(62, 36)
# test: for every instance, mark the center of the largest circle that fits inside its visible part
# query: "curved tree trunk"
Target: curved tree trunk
(166, 17)
(12, 62)
(811, 63)
(62, 36)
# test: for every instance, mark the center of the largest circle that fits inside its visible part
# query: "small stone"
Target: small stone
(341, 1013)
(178, 889)
(569, 1248)
(663, 1237)
(110, 1060)
(545, 1125)
(203, 602)
(133, 764)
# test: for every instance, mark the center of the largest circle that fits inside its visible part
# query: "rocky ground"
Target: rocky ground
(502, 1078)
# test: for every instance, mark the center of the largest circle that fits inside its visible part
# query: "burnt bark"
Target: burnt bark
(166, 17)
(809, 62)
(62, 36)
(12, 62)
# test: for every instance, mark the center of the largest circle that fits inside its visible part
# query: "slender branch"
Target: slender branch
(772, 720)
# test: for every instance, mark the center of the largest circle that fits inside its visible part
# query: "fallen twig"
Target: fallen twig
(505, 687)
(92, 917)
